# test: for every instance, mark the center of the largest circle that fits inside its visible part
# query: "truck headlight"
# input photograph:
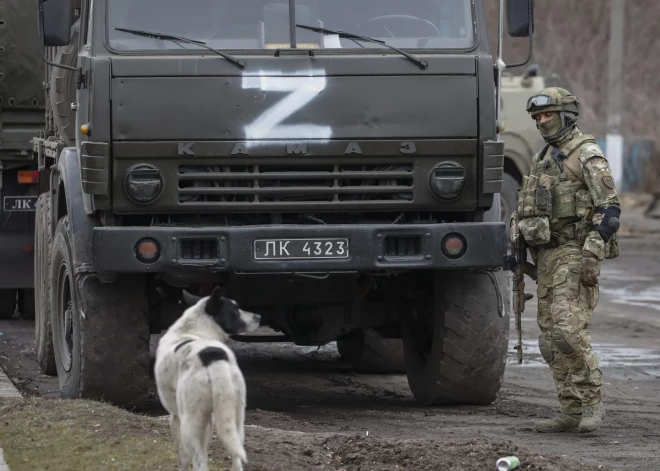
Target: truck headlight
(143, 183)
(447, 180)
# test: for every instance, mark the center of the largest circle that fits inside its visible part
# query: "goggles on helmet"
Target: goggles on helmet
(541, 101)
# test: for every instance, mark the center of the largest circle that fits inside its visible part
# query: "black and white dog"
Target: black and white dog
(199, 381)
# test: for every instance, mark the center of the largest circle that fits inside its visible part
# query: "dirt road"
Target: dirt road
(301, 389)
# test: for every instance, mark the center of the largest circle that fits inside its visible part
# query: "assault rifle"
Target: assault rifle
(517, 262)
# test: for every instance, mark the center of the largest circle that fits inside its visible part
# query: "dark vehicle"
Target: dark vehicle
(334, 165)
(21, 117)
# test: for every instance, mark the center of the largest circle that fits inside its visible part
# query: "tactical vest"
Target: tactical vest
(548, 192)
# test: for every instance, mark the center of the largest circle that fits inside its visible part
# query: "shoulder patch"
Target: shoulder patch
(608, 182)
(185, 342)
(210, 355)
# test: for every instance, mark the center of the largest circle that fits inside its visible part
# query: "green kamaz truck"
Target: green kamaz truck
(21, 117)
(334, 165)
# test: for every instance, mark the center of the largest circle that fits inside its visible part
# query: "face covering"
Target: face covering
(550, 128)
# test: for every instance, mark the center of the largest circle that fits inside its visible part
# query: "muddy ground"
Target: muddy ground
(306, 407)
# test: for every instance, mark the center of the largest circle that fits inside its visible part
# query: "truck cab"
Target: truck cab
(335, 166)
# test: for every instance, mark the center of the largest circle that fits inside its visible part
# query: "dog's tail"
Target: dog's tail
(226, 424)
(225, 417)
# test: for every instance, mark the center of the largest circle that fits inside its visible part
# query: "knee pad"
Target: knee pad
(565, 342)
(546, 351)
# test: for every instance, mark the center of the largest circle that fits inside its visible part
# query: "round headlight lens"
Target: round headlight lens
(447, 180)
(143, 183)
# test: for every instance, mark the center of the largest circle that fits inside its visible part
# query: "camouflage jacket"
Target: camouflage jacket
(583, 162)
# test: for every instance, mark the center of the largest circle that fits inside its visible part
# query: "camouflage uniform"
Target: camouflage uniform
(561, 207)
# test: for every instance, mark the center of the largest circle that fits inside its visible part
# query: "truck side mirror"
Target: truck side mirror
(55, 20)
(520, 17)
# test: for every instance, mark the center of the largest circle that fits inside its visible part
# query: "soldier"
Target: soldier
(568, 213)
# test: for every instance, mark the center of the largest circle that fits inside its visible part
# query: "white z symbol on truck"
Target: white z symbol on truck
(303, 90)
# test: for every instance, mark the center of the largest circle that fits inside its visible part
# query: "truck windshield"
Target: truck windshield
(264, 24)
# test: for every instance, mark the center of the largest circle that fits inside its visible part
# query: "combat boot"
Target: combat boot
(561, 423)
(592, 417)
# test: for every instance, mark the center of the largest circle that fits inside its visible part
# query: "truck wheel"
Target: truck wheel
(369, 352)
(455, 341)
(7, 303)
(100, 331)
(43, 331)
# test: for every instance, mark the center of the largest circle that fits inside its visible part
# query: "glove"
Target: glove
(590, 270)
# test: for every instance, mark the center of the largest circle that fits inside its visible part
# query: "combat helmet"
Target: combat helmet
(559, 100)
(553, 99)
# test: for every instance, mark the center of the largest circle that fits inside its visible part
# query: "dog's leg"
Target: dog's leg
(226, 421)
(237, 461)
(240, 407)
(240, 421)
(195, 436)
(175, 431)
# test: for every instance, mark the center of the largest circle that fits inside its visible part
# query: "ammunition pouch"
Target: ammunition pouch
(535, 203)
(535, 230)
(570, 200)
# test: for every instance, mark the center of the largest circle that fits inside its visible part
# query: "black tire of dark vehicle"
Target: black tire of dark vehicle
(43, 331)
(455, 341)
(508, 200)
(7, 303)
(100, 331)
(63, 88)
(369, 352)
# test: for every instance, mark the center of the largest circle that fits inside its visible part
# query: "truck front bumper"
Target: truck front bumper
(232, 249)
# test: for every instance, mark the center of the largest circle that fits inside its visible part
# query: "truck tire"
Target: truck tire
(7, 303)
(369, 352)
(63, 88)
(100, 331)
(455, 341)
(43, 331)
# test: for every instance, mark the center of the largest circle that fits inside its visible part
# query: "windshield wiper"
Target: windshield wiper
(342, 34)
(171, 37)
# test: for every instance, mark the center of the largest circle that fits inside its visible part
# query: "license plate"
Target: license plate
(297, 249)
(20, 203)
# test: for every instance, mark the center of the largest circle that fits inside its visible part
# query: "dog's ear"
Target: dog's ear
(189, 298)
(214, 304)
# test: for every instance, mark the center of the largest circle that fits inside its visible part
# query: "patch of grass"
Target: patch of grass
(60, 435)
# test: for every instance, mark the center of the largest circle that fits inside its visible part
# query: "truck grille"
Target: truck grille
(295, 184)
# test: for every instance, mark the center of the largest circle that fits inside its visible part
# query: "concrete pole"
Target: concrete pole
(614, 142)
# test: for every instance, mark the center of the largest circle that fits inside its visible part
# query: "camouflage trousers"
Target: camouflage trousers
(564, 313)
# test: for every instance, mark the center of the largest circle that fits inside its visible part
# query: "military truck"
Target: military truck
(521, 138)
(21, 117)
(335, 166)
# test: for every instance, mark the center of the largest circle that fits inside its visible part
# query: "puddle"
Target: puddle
(648, 298)
(611, 356)
(623, 276)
